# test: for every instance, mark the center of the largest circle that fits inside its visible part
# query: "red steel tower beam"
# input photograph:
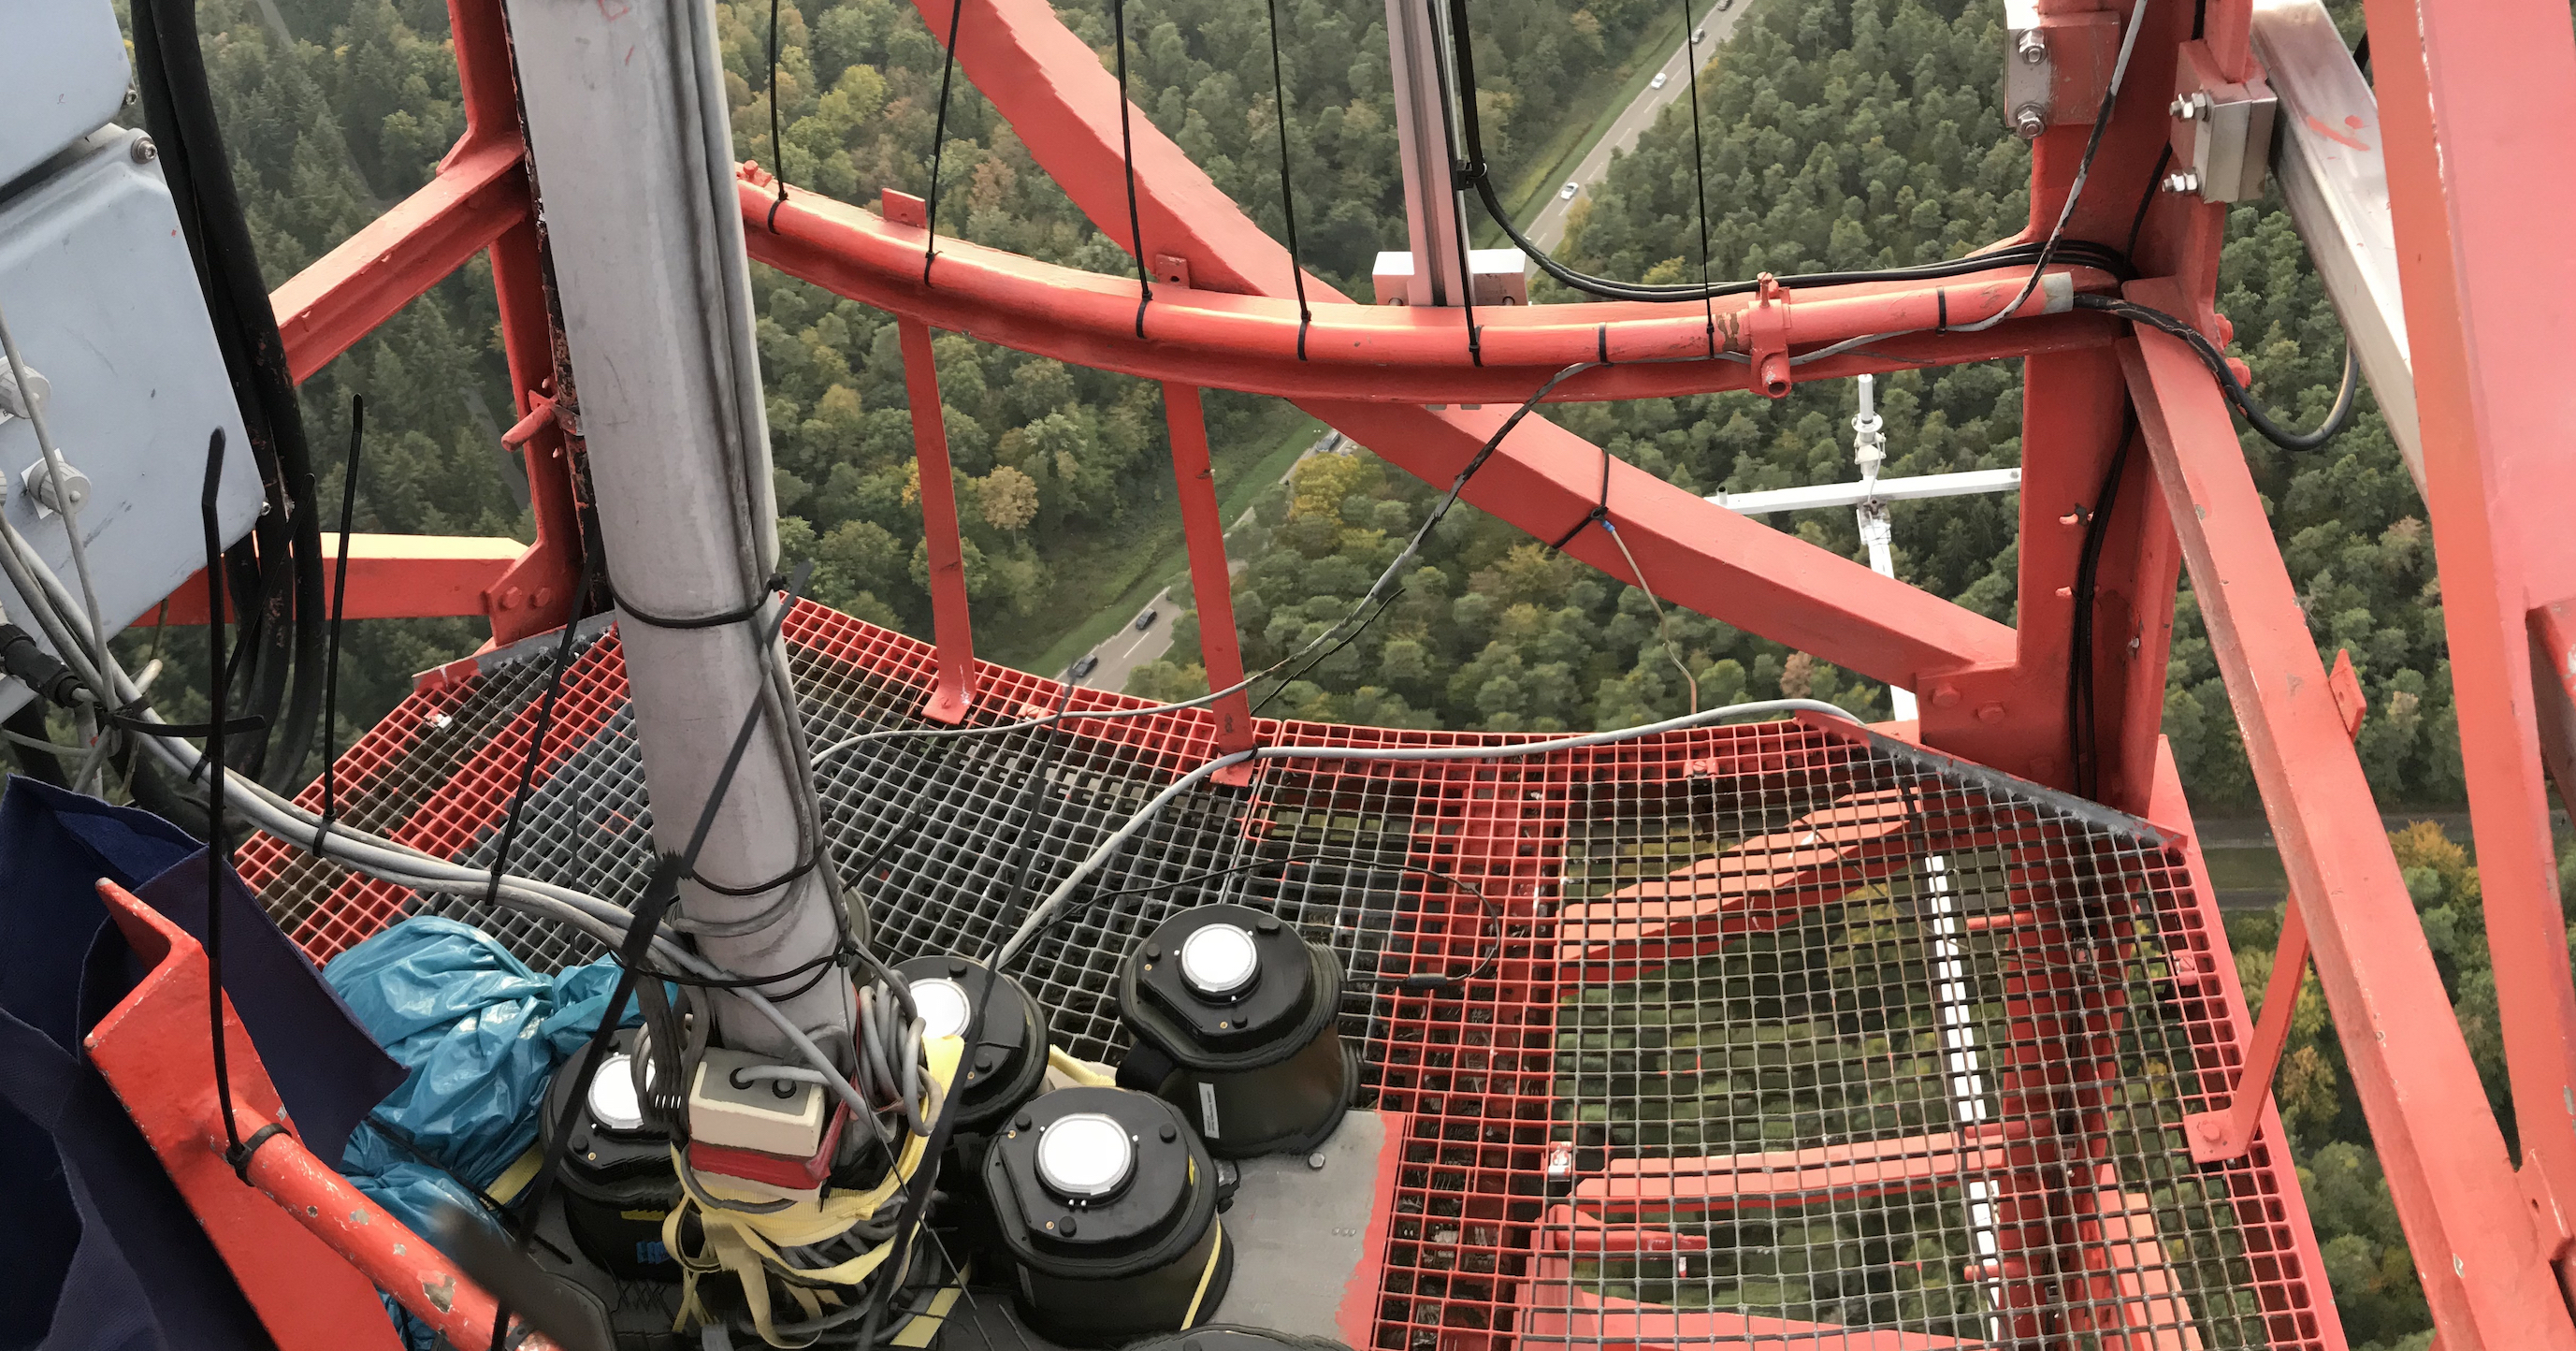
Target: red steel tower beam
(2473, 102)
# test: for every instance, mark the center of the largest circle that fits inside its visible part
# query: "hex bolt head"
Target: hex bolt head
(2033, 48)
(144, 151)
(1315, 1161)
(2184, 182)
(2029, 121)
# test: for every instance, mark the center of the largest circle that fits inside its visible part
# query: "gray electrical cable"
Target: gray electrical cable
(1040, 914)
(64, 506)
(47, 601)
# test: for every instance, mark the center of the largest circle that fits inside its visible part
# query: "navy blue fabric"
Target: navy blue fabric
(114, 1260)
(91, 1206)
(327, 1070)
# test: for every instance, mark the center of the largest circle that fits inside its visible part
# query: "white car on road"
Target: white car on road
(1567, 192)
(1658, 81)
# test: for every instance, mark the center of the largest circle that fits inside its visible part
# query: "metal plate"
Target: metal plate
(62, 76)
(105, 305)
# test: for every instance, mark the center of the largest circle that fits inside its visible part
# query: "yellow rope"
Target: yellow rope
(747, 1245)
(1207, 1274)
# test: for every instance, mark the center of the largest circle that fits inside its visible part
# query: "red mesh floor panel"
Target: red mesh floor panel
(1783, 1034)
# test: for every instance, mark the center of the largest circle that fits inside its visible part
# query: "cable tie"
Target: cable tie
(239, 1156)
(776, 583)
(1600, 514)
(755, 889)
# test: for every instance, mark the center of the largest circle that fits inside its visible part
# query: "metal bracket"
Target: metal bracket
(2055, 66)
(2334, 178)
(2222, 129)
(12, 404)
(39, 478)
(1766, 337)
(1497, 277)
(2222, 1135)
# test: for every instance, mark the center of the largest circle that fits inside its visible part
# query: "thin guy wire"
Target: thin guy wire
(1127, 155)
(939, 139)
(1287, 193)
(1699, 172)
(339, 605)
(777, 147)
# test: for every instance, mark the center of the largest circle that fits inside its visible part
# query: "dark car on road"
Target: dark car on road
(1145, 621)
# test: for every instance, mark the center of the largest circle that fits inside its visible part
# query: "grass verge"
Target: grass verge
(1105, 577)
(1585, 124)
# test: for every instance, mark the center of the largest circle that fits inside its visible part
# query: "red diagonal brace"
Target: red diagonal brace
(1211, 578)
(2219, 1136)
(952, 628)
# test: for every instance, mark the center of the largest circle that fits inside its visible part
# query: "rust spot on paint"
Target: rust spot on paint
(442, 1295)
(2339, 135)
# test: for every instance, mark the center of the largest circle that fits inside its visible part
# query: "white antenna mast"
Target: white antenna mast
(1869, 448)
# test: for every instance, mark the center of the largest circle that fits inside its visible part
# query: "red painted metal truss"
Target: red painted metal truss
(2472, 95)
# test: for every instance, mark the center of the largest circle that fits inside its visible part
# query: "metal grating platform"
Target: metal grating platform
(1797, 1036)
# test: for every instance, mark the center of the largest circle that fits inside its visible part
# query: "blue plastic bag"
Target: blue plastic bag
(480, 1034)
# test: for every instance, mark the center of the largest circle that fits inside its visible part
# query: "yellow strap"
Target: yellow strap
(517, 1176)
(1062, 1062)
(925, 1326)
(747, 1245)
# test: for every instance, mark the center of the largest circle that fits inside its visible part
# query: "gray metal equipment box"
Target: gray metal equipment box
(62, 76)
(98, 290)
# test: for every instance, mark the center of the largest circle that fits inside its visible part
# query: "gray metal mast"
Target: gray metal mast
(633, 155)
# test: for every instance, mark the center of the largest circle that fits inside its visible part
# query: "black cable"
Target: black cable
(1287, 193)
(1127, 153)
(339, 607)
(405, 1146)
(1365, 617)
(2155, 183)
(545, 721)
(1600, 508)
(627, 611)
(939, 139)
(2256, 415)
(1015, 896)
(2083, 730)
(1361, 611)
(659, 893)
(634, 957)
(1699, 180)
(777, 148)
(285, 628)
(219, 851)
(1466, 298)
(918, 1190)
(1478, 175)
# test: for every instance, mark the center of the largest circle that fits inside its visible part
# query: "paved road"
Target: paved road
(1126, 650)
(1122, 652)
(1549, 229)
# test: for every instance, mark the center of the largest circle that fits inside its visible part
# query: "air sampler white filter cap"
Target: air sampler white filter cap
(1220, 961)
(1085, 1156)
